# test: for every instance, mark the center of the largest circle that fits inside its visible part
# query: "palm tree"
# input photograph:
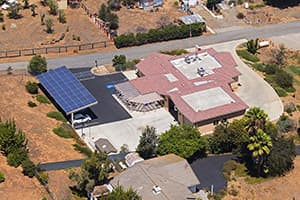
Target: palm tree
(260, 146)
(255, 118)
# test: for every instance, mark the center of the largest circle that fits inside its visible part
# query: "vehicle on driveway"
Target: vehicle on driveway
(80, 118)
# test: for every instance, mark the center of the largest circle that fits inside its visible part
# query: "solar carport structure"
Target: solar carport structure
(66, 90)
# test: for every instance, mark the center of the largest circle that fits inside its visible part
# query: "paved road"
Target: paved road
(141, 51)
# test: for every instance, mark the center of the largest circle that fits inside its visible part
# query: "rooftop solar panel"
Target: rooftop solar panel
(66, 90)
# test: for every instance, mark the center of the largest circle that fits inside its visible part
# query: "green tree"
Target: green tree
(93, 172)
(119, 60)
(255, 118)
(49, 25)
(53, 7)
(13, 11)
(28, 168)
(260, 146)
(37, 65)
(120, 194)
(26, 4)
(102, 12)
(253, 46)
(184, 141)
(32, 8)
(211, 4)
(11, 139)
(228, 137)
(281, 157)
(62, 17)
(148, 143)
(32, 87)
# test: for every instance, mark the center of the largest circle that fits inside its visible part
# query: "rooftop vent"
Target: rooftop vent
(156, 190)
(187, 59)
(201, 71)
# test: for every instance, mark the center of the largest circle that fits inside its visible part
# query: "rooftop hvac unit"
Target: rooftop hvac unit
(200, 71)
(187, 59)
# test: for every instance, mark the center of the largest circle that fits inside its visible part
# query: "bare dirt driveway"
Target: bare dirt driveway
(254, 90)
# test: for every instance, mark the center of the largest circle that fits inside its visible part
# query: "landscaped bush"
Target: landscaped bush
(37, 65)
(240, 15)
(281, 92)
(17, 157)
(156, 35)
(176, 52)
(285, 124)
(31, 104)
(32, 87)
(56, 115)
(289, 108)
(28, 168)
(258, 66)
(83, 149)
(284, 79)
(2, 177)
(62, 132)
(271, 69)
(42, 99)
(247, 56)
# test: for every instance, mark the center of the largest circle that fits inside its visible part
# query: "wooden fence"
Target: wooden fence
(55, 49)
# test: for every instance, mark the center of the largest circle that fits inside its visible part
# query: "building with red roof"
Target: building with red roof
(196, 88)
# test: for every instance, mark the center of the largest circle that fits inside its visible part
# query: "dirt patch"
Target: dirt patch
(268, 14)
(139, 20)
(285, 187)
(27, 32)
(18, 186)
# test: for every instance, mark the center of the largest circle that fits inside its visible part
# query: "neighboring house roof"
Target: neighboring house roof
(104, 145)
(101, 190)
(171, 173)
(132, 158)
(190, 19)
(171, 76)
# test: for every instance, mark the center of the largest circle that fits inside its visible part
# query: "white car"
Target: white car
(80, 118)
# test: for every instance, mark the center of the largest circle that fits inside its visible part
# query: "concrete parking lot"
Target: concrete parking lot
(129, 131)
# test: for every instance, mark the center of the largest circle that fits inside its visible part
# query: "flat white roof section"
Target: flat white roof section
(189, 69)
(171, 77)
(207, 99)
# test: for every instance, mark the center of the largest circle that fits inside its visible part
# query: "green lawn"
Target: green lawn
(247, 55)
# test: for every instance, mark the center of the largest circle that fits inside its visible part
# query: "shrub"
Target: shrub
(284, 79)
(271, 69)
(170, 32)
(56, 115)
(2, 177)
(31, 104)
(53, 7)
(258, 66)
(289, 107)
(44, 177)
(285, 124)
(281, 92)
(49, 25)
(247, 56)
(63, 132)
(228, 167)
(37, 65)
(32, 87)
(252, 46)
(42, 99)
(176, 52)
(17, 157)
(83, 149)
(62, 17)
(240, 15)
(28, 168)
(119, 60)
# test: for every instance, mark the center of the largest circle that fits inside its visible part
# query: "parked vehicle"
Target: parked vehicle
(80, 118)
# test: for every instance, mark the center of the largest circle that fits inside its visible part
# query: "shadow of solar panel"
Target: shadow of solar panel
(66, 90)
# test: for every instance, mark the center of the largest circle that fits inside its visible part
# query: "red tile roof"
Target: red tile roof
(156, 65)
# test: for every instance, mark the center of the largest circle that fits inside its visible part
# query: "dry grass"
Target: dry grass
(27, 32)
(136, 20)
